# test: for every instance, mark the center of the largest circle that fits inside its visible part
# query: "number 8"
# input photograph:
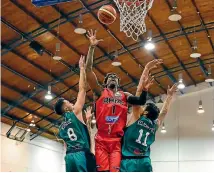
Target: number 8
(71, 134)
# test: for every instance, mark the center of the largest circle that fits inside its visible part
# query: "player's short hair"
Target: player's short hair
(58, 106)
(153, 111)
(107, 76)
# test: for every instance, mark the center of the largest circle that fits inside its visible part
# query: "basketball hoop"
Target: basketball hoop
(132, 16)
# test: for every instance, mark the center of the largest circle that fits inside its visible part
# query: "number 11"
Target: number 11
(140, 136)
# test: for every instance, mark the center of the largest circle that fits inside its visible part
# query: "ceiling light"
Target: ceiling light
(209, 78)
(32, 125)
(174, 16)
(79, 29)
(200, 108)
(195, 53)
(57, 56)
(160, 102)
(49, 96)
(180, 82)
(149, 44)
(116, 61)
(28, 130)
(163, 129)
(213, 126)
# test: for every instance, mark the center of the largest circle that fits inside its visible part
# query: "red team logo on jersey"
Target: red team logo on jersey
(111, 109)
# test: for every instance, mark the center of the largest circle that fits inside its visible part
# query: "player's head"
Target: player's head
(62, 106)
(111, 81)
(151, 111)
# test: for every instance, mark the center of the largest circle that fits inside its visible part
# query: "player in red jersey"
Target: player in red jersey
(111, 112)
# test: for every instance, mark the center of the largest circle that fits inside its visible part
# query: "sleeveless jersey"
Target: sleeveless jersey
(139, 137)
(111, 114)
(74, 133)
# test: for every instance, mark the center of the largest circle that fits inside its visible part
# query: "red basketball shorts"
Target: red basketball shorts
(108, 154)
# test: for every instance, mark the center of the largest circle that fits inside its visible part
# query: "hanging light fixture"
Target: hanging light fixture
(79, 29)
(180, 82)
(32, 124)
(213, 126)
(116, 61)
(57, 56)
(163, 129)
(174, 16)
(195, 53)
(160, 102)
(200, 108)
(149, 44)
(209, 76)
(49, 96)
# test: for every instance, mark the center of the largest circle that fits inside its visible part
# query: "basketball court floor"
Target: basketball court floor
(51, 48)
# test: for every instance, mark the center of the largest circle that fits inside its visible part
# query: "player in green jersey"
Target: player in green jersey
(74, 131)
(141, 129)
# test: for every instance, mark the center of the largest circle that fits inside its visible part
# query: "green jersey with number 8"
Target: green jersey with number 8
(74, 133)
(138, 137)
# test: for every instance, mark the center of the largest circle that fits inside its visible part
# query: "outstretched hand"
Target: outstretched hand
(92, 36)
(148, 81)
(153, 64)
(172, 90)
(82, 62)
(88, 112)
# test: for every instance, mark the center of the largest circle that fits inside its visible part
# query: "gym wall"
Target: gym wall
(188, 144)
(38, 155)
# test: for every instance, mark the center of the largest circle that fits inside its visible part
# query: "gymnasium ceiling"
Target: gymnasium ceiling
(26, 75)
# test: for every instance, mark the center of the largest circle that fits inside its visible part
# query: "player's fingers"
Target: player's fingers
(89, 33)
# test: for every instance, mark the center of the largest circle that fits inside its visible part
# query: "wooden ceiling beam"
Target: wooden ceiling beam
(171, 48)
(203, 24)
(27, 96)
(49, 26)
(74, 69)
(203, 68)
(54, 122)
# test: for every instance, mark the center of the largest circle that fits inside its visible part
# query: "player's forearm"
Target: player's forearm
(134, 100)
(82, 80)
(165, 108)
(89, 61)
(142, 78)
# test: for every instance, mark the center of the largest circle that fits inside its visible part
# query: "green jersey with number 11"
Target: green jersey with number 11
(74, 133)
(138, 137)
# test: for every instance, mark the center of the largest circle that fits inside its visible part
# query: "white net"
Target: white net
(132, 16)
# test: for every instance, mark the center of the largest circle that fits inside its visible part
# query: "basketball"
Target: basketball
(107, 14)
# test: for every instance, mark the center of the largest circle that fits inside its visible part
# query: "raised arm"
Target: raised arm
(149, 66)
(167, 103)
(91, 77)
(137, 110)
(141, 94)
(82, 87)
